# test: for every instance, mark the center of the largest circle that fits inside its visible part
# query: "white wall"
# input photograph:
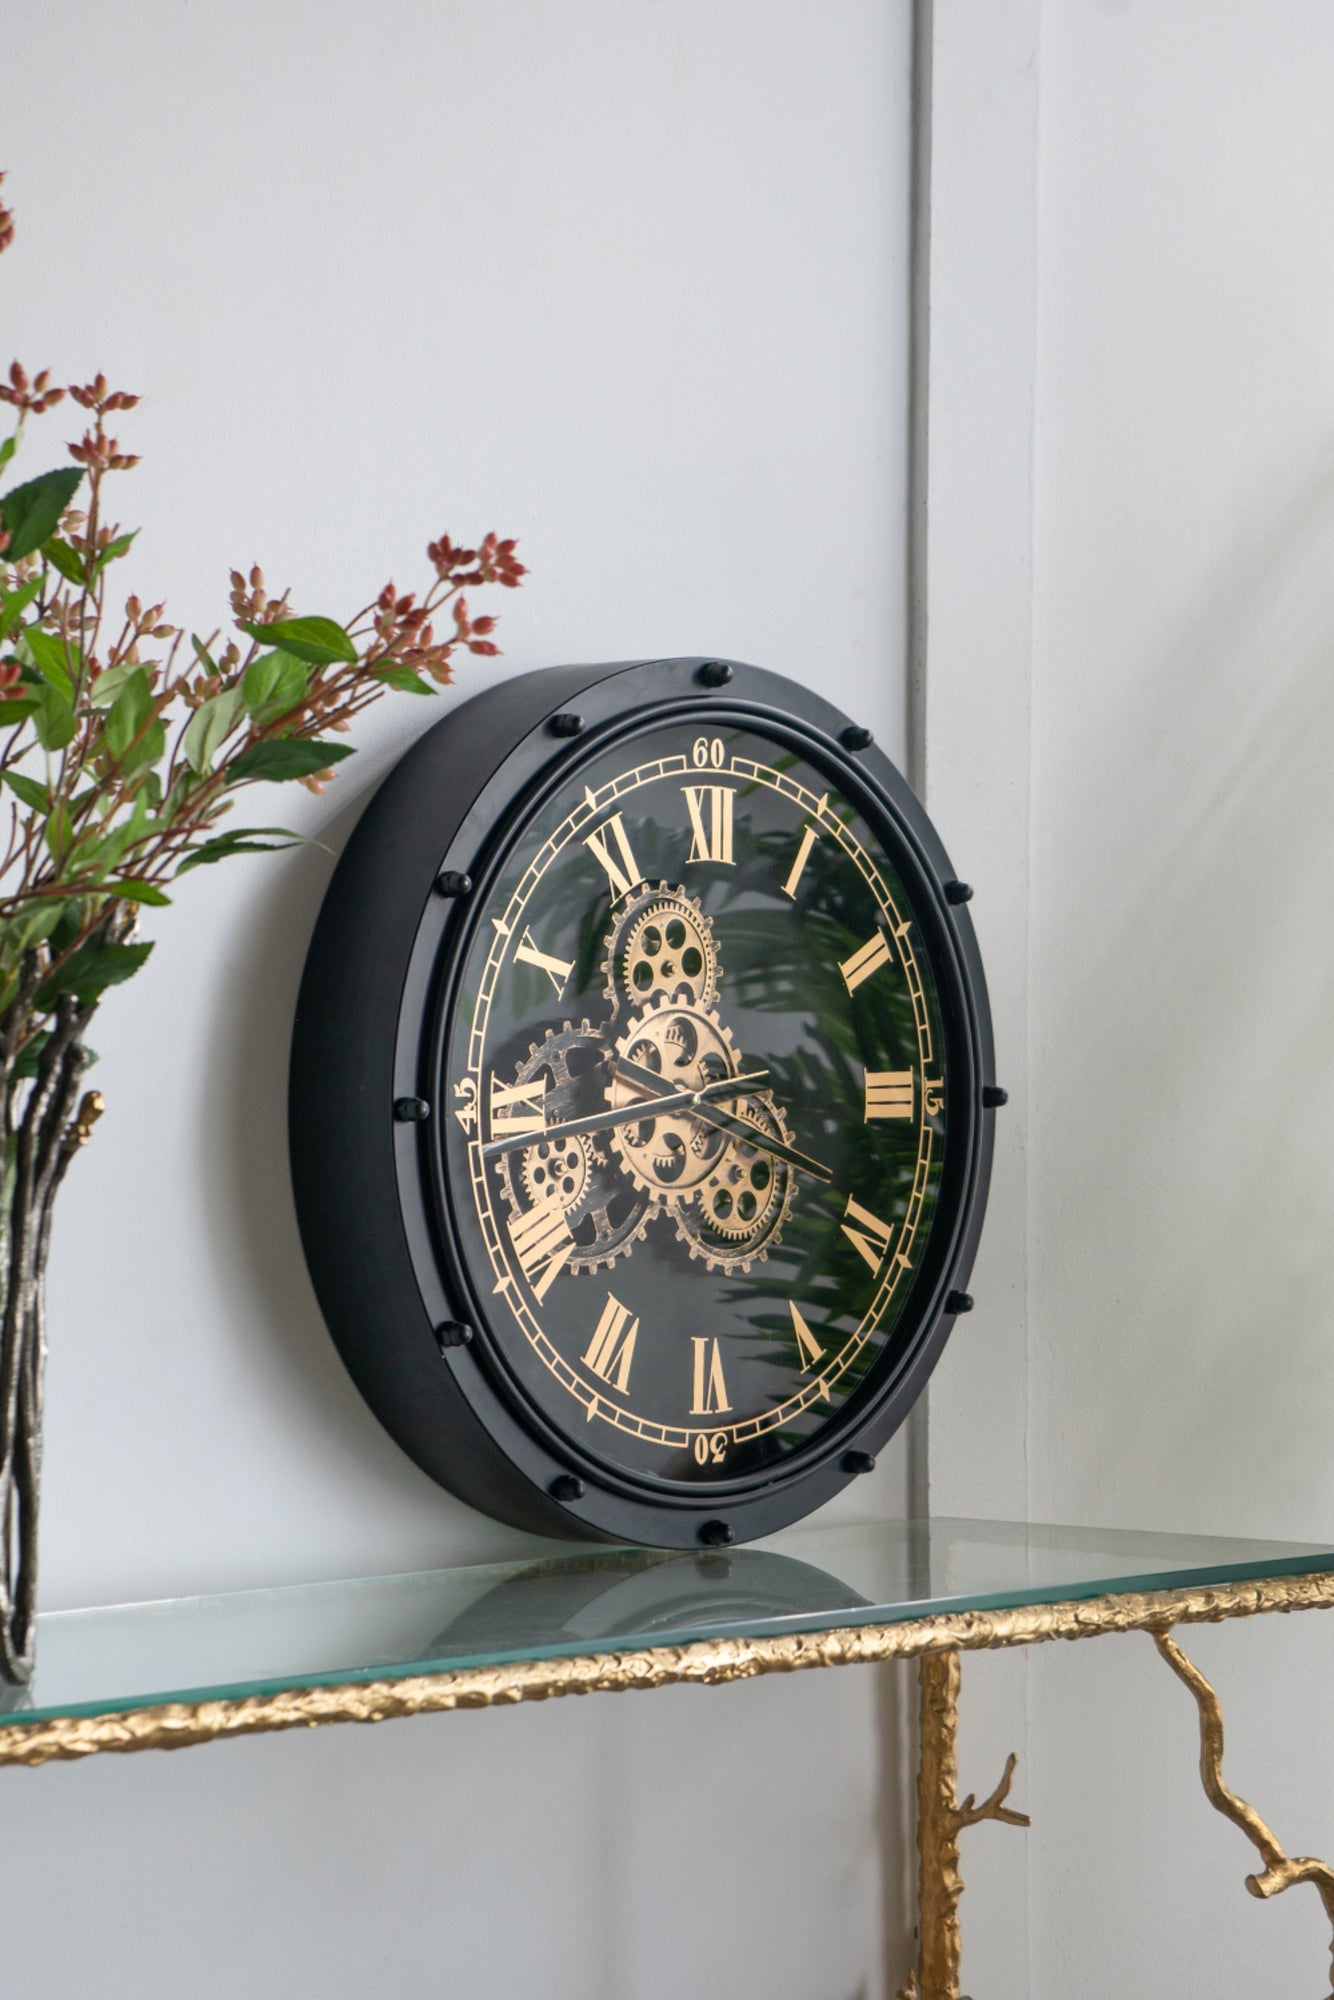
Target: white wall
(1176, 1283)
(628, 280)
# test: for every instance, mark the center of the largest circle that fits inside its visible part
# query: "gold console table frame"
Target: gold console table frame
(936, 1642)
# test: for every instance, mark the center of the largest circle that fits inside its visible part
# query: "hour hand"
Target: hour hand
(749, 1084)
(723, 1120)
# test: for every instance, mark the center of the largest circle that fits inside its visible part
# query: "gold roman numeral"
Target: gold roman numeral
(556, 969)
(624, 873)
(868, 959)
(613, 1344)
(517, 1107)
(871, 1240)
(888, 1093)
(710, 1388)
(715, 842)
(812, 1354)
(542, 1244)
(808, 840)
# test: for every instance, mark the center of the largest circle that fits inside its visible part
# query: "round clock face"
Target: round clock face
(698, 1097)
(696, 1148)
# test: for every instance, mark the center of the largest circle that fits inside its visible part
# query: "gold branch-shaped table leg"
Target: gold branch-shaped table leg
(1279, 1871)
(941, 1817)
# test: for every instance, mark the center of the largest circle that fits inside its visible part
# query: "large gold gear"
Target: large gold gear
(605, 1217)
(670, 1154)
(662, 945)
(739, 1212)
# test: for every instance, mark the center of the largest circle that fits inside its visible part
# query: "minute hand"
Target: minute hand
(629, 1114)
(714, 1114)
(741, 1128)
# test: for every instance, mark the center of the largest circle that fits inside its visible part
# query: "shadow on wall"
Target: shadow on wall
(244, 1159)
(1183, 881)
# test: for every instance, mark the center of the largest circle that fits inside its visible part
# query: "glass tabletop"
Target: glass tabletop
(581, 1601)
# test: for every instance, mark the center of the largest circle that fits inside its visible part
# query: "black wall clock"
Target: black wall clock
(641, 1101)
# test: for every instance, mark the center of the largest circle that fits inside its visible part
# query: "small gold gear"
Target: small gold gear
(737, 1216)
(560, 1167)
(662, 945)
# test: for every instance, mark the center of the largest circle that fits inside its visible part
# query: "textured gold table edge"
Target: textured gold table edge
(703, 1662)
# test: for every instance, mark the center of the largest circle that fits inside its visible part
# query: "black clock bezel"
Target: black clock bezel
(373, 1198)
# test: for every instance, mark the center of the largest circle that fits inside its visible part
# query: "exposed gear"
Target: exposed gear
(662, 945)
(561, 1167)
(670, 1154)
(604, 1216)
(738, 1214)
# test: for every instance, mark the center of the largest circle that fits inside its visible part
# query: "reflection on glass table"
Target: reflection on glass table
(577, 1603)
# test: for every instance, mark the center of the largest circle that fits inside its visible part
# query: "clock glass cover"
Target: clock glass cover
(695, 1133)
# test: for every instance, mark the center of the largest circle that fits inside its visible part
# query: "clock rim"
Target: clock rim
(455, 1412)
(845, 1428)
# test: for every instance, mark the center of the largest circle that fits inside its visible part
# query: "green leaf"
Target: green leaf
(22, 932)
(241, 840)
(319, 640)
(113, 551)
(111, 849)
(59, 832)
(32, 794)
(52, 717)
(148, 750)
(15, 602)
(128, 713)
(289, 757)
(53, 658)
(94, 967)
(32, 511)
(69, 924)
(404, 678)
(7, 450)
(139, 826)
(275, 683)
(207, 727)
(109, 683)
(203, 654)
(30, 1056)
(138, 892)
(62, 557)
